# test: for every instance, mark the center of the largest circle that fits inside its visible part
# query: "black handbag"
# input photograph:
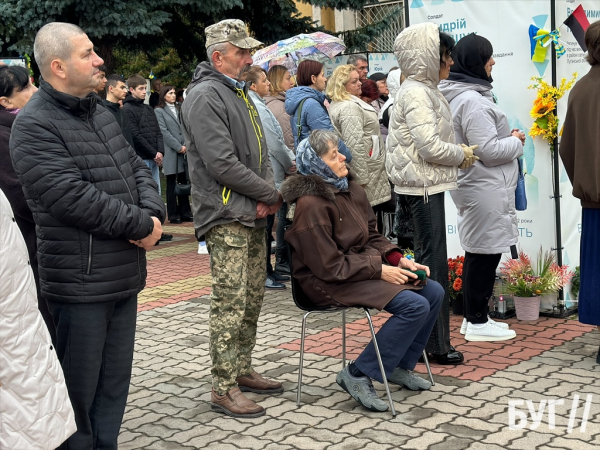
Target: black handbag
(184, 189)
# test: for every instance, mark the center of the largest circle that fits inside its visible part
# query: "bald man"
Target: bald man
(97, 211)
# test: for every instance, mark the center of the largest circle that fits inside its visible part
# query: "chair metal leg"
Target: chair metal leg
(428, 368)
(301, 358)
(383, 376)
(343, 338)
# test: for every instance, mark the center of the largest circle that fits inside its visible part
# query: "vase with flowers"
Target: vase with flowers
(455, 282)
(527, 281)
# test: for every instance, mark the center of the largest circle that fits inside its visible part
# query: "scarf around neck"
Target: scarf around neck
(308, 163)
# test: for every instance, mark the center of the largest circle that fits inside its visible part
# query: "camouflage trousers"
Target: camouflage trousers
(238, 270)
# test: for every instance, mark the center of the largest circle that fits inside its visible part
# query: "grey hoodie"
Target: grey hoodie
(227, 152)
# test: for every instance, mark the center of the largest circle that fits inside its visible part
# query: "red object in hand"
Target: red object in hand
(394, 257)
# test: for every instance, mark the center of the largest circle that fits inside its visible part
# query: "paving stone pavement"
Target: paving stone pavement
(549, 370)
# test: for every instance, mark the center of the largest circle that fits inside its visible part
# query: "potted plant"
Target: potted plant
(575, 282)
(528, 282)
(455, 271)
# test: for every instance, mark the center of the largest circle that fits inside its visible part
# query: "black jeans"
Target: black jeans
(95, 348)
(479, 275)
(177, 206)
(269, 239)
(282, 222)
(430, 249)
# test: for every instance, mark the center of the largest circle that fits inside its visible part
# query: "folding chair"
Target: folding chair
(303, 302)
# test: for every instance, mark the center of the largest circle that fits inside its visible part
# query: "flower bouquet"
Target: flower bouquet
(455, 271)
(544, 108)
(527, 282)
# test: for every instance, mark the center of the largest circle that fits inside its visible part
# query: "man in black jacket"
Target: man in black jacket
(144, 126)
(147, 137)
(97, 211)
(116, 91)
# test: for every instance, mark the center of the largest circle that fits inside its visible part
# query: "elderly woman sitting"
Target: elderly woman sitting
(340, 259)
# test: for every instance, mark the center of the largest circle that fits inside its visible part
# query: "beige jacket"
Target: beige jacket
(277, 106)
(358, 126)
(422, 156)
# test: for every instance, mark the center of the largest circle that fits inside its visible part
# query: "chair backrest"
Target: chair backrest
(301, 299)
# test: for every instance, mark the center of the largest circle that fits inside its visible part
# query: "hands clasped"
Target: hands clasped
(263, 210)
(149, 241)
(402, 274)
(470, 158)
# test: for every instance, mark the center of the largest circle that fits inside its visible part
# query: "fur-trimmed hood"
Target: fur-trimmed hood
(298, 185)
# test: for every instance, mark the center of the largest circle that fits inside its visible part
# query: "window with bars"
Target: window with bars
(374, 13)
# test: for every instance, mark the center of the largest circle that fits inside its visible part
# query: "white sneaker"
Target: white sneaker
(202, 248)
(463, 327)
(489, 332)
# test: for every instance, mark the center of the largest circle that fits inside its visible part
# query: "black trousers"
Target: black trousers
(269, 239)
(95, 348)
(430, 249)
(479, 275)
(177, 206)
(282, 222)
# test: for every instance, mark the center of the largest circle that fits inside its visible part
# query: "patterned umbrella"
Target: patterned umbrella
(290, 52)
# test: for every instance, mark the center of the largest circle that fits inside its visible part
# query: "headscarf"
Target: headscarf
(308, 163)
(470, 55)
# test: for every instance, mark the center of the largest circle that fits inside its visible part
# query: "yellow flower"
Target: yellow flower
(544, 107)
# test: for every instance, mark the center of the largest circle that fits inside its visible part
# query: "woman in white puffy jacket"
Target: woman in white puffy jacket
(485, 199)
(358, 125)
(35, 409)
(423, 158)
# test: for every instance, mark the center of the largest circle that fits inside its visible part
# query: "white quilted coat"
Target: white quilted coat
(422, 155)
(358, 125)
(35, 410)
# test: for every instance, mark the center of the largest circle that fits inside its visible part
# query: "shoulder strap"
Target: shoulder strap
(299, 120)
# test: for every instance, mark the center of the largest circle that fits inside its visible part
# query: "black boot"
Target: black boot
(281, 263)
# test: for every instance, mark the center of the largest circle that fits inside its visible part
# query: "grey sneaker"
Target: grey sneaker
(407, 378)
(361, 389)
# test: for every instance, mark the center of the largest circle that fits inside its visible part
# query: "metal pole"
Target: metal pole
(555, 162)
(406, 16)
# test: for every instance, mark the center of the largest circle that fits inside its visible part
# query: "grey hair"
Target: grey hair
(353, 59)
(221, 47)
(321, 140)
(53, 41)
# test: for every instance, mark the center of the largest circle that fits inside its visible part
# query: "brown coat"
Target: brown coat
(337, 252)
(580, 142)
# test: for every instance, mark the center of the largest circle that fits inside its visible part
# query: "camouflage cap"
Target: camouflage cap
(233, 31)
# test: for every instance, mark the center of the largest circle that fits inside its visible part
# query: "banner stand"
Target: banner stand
(460, 17)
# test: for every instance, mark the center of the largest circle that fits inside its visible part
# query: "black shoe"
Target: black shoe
(175, 220)
(452, 358)
(187, 219)
(166, 237)
(283, 268)
(279, 277)
(273, 285)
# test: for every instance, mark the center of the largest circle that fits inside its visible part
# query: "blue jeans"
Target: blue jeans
(403, 336)
(154, 169)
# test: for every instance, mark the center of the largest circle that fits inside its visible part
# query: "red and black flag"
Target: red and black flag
(578, 23)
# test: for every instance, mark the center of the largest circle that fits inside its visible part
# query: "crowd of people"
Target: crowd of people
(323, 161)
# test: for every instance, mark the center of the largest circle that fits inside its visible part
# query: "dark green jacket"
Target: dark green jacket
(227, 152)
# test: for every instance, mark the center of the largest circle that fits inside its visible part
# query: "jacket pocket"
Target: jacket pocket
(89, 261)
